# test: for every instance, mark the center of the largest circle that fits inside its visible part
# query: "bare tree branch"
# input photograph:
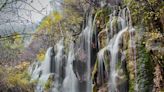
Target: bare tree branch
(3, 5)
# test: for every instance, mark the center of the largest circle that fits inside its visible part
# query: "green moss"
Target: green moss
(95, 69)
(132, 86)
(94, 88)
(144, 70)
(47, 85)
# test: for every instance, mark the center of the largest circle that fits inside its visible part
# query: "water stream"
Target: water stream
(70, 82)
(71, 72)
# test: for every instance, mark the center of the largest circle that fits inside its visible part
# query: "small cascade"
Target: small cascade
(101, 66)
(58, 59)
(116, 22)
(124, 19)
(58, 64)
(46, 63)
(41, 71)
(84, 52)
(70, 81)
(119, 23)
(114, 49)
(42, 67)
(34, 70)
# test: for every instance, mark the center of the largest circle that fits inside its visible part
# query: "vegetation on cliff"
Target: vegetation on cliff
(147, 18)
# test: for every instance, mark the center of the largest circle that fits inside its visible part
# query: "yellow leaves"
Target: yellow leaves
(127, 1)
(17, 37)
(72, 16)
(13, 77)
(51, 20)
(57, 17)
(15, 41)
(70, 1)
(22, 65)
(73, 19)
(17, 79)
(46, 23)
(153, 35)
(152, 38)
(152, 2)
(41, 55)
(20, 80)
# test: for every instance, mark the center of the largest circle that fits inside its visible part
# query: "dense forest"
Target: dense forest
(81, 46)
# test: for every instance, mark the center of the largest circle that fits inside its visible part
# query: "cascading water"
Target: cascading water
(42, 68)
(70, 81)
(119, 24)
(59, 48)
(75, 81)
(41, 71)
(114, 59)
(58, 64)
(86, 38)
(124, 17)
(46, 63)
(101, 66)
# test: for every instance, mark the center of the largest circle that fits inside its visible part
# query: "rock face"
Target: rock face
(114, 2)
(121, 62)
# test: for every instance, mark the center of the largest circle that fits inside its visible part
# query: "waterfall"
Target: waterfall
(46, 63)
(101, 65)
(54, 65)
(79, 79)
(44, 70)
(114, 59)
(38, 68)
(72, 71)
(34, 70)
(58, 64)
(125, 19)
(59, 48)
(119, 23)
(70, 81)
(41, 71)
(86, 38)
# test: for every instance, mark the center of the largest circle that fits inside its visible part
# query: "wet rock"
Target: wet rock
(79, 68)
(114, 2)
